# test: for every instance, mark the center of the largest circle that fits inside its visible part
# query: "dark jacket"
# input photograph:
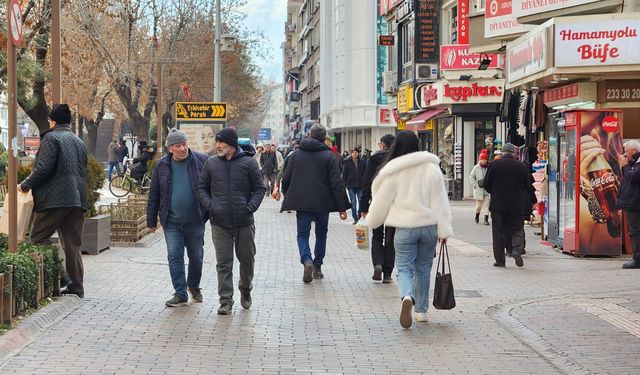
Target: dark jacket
(311, 180)
(507, 180)
(375, 162)
(162, 187)
(59, 178)
(231, 190)
(629, 193)
(140, 163)
(122, 152)
(352, 174)
(269, 163)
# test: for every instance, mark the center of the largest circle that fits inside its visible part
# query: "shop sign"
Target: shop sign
(405, 99)
(523, 8)
(619, 91)
(463, 21)
(385, 116)
(500, 21)
(427, 31)
(386, 40)
(574, 93)
(610, 124)
(597, 42)
(527, 55)
(458, 57)
(425, 125)
(428, 95)
(461, 92)
(402, 125)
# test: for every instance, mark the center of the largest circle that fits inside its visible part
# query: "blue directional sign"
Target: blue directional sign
(264, 134)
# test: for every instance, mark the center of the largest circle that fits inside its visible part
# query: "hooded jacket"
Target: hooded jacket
(231, 190)
(629, 193)
(409, 192)
(311, 180)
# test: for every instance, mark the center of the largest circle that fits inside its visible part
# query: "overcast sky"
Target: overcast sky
(269, 16)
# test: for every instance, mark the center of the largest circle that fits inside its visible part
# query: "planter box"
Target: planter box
(129, 230)
(96, 235)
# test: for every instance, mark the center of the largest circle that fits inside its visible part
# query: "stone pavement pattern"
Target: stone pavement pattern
(539, 319)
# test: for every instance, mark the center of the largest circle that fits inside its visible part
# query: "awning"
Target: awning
(425, 116)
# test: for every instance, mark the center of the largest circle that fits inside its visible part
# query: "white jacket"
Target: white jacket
(409, 192)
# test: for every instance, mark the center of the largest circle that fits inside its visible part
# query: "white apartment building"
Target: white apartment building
(274, 115)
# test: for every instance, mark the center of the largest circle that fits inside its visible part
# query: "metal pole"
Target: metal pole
(159, 106)
(217, 76)
(12, 104)
(56, 57)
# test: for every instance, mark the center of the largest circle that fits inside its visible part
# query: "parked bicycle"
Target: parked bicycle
(122, 183)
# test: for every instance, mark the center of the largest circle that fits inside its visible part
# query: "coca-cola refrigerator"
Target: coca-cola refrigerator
(584, 174)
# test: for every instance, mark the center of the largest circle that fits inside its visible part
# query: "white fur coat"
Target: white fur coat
(409, 192)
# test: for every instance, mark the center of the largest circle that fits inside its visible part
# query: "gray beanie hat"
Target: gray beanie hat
(175, 136)
(509, 148)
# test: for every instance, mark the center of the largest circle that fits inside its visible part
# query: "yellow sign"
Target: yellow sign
(405, 99)
(429, 125)
(201, 111)
(402, 125)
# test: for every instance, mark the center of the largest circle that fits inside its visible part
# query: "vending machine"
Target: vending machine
(584, 174)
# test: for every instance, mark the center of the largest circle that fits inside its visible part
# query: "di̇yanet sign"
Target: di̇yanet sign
(500, 21)
(527, 55)
(596, 41)
(523, 8)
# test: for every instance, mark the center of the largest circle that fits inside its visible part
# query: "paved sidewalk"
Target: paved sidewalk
(558, 314)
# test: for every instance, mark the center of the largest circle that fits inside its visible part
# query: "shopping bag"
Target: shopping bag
(362, 235)
(443, 295)
(25, 209)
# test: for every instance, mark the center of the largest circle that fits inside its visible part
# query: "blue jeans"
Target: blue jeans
(112, 165)
(415, 248)
(304, 220)
(178, 237)
(354, 198)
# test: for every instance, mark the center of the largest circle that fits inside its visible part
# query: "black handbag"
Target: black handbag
(481, 183)
(443, 295)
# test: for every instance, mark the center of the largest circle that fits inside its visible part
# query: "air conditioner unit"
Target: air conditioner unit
(388, 82)
(426, 72)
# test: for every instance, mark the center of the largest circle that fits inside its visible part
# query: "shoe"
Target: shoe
(307, 277)
(486, 219)
(421, 317)
(196, 294)
(377, 273)
(523, 252)
(496, 264)
(225, 309)
(633, 263)
(66, 291)
(355, 221)
(387, 279)
(477, 218)
(245, 300)
(518, 259)
(177, 301)
(65, 281)
(317, 272)
(405, 313)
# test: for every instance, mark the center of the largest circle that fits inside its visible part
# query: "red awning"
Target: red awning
(425, 116)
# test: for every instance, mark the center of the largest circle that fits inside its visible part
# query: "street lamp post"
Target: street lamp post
(217, 65)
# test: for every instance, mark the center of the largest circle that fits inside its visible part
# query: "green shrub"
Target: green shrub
(51, 261)
(95, 180)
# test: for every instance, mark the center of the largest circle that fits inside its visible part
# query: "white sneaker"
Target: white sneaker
(405, 312)
(421, 317)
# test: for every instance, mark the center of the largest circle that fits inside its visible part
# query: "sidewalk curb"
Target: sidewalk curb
(18, 338)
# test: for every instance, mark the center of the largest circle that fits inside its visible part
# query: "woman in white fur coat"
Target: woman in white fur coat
(409, 194)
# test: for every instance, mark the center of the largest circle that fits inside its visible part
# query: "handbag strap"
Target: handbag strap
(443, 249)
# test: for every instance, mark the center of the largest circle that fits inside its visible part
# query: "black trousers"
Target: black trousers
(69, 223)
(382, 250)
(633, 224)
(502, 225)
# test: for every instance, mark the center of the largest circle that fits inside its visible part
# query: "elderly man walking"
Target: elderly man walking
(312, 187)
(231, 190)
(629, 197)
(173, 197)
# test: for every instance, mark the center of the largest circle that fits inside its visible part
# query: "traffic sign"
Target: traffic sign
(201, 111)
(264, 134)
(15, 20)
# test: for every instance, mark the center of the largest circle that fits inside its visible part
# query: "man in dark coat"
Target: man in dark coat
(269, 166)
(507, 181)
(231, 189)
(312, 187)
(382, 250)
(352, 173)
(629, 197)
(173, 196)
(59, 183)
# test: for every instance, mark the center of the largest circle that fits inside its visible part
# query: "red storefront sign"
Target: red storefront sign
(462, 93)
(385, 116)
(429, 94)
(463, 21)
(561, 93)
(458, 57)
(386, 40)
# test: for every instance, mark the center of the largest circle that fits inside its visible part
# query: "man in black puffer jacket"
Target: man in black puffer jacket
(629, 198)
(231, 189)
(59, 183)
(312, 186)
(382, 251)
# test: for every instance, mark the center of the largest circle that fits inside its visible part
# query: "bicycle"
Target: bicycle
(122, 184)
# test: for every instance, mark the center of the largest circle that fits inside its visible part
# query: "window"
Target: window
(406, 37)
(479, 5)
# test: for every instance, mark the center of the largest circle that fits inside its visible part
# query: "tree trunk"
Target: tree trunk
(92, 136)
(36, 106)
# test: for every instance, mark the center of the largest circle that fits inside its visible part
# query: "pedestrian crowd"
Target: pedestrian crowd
(399, 191)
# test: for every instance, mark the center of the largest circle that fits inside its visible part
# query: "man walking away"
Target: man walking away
(382, 250)
(269, 163)
(173, 196)
(352, 173)
(312, 187)
(113, 157)
(629, 197)
(59, 183)
(231, 190)
(507, 181)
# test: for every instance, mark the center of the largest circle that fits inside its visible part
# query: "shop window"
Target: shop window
(484, 136)
(444, 147)
(406, 36)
